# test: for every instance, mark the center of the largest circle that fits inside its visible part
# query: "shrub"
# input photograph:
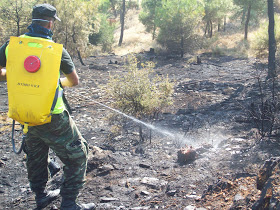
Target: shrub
(177, 23)
(137, 92)
(105, 35)
(260, 38)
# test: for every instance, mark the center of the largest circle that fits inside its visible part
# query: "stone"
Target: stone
(238, 197)
(171, 192)
(144, 192)
(190, 207)
(142, 165)
(107, 199)
(140, 208)
(154, 183)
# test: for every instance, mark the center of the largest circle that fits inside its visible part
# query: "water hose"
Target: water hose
(13, 140)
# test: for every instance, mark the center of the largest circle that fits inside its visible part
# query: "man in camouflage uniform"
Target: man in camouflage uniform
(61, 134)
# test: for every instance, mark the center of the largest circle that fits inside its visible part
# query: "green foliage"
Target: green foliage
(178, 22)
(77, 19)
(259, 43)
(258, 10)
(149, 15)
(105, 35)
(216, 10)
(104, 6)
(14, 17)
(132, 5)
(137, 93)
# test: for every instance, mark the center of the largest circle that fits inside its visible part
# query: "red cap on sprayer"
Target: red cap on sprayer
(32, 64)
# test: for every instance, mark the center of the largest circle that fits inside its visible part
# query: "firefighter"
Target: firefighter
(61, 134)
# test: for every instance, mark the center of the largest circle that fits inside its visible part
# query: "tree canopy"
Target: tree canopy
(176, 25)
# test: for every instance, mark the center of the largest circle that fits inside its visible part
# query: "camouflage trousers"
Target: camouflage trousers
(63, 137)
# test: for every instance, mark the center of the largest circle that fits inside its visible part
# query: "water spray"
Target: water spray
(148, 125)
(191, 140)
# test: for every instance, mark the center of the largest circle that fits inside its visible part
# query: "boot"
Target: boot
(68, 204)
(54, 167)
(43, 198)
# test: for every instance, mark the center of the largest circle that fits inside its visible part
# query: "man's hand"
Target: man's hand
(70, 80)
(2, 74)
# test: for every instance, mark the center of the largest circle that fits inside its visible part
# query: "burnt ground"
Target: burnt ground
(209, 113)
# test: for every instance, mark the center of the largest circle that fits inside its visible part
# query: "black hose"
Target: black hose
(13, 140)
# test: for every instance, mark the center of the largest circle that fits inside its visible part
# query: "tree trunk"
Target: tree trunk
(122, 22)
(141, 136)
(78, 52)
(154, 31)
(150, 136)
(210, 29)
(182, 43)
(18, 29)
(272, 43)
(247, 21)
(80, 58)
(206, 28)
(66, 37)
(225, 23)
(113, 8)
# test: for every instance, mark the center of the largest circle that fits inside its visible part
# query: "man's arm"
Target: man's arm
(2, 74)
(70, 80)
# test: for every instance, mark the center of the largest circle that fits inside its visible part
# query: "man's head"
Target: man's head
(44, 15)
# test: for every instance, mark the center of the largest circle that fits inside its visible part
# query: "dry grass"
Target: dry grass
(135, 39)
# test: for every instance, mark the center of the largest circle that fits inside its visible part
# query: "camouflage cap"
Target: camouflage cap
(41, 10)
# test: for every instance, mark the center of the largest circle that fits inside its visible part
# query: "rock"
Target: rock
(140, 208)
(144, 192)
(105, 170)
(193, 197)
(107, 199)
(23, 190)
(2, 163)
(190, 207)
(171, 192)
(109, 188)
(54, 207)
(154, 183)
(106, 167)
(238, 197)
(4, 158)
(142, 165)
(107, 206)
(99, 157)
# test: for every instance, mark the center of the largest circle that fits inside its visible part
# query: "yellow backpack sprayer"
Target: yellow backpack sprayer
(33, 81)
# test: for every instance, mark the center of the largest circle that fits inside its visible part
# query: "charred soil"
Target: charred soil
(209, 113)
